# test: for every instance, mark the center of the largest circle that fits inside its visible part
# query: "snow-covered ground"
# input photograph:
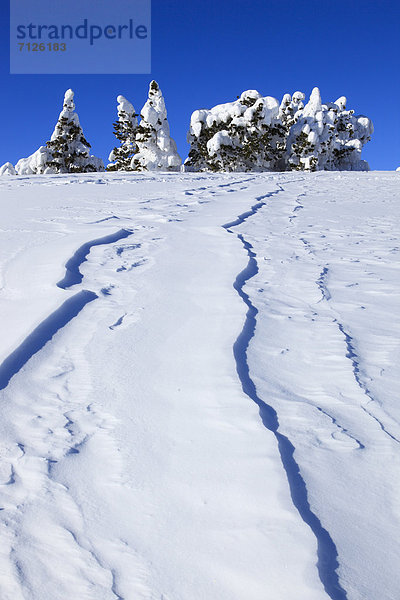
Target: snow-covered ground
(198, 387)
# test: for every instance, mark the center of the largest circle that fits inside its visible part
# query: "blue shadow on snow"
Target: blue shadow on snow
(72, 272)
(43, 334)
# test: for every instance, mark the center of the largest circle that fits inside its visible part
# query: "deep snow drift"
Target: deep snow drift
(198, 387)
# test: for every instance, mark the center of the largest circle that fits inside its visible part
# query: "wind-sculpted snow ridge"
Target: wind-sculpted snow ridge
(327, 562)
(250, 212)
(43, 333)
(321, 282)
(342, 429)
(213, 189)
(73, 274)
(352, 355)
(46, 330)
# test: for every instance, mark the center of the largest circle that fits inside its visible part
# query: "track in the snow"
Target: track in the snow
(327, 562)
(72, 272)
(43, 333)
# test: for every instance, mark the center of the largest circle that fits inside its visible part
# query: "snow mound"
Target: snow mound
(7, 169)
(36, 163)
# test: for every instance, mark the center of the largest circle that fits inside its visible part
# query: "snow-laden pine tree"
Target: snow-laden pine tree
(327, 137)
(156, 149)
(125, 131)
(352, 132)
(67, 151)
(68, 146)
(290, 111)
(245, 135)
(302, 143)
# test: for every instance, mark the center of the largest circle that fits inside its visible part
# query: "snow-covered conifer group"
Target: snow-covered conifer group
(147, 146)
(253, 133)
(256, 133)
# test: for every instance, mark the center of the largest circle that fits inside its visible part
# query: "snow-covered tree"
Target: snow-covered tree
(7, 169)
(125, 131)
(302, 143)
(67, 151)
(70, 151)
(351, 134)
(237, 136)
(327, 137)
(156, 149)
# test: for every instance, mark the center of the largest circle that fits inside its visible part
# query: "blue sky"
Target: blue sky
(205, 52)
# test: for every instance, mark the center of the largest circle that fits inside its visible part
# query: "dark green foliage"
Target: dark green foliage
(69, 150)
(240, 136)
(302, 148)
(255, 145)
(125, 133)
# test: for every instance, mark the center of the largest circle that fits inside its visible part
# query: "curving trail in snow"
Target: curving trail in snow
(327, 562)
(42, 334)
(73, 275)
(133, 464)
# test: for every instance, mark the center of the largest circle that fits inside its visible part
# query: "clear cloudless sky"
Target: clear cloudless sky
(205, 52)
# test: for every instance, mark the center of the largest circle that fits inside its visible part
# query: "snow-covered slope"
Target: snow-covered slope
(198, 387)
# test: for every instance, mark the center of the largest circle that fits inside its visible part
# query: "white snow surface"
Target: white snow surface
(134, 463)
